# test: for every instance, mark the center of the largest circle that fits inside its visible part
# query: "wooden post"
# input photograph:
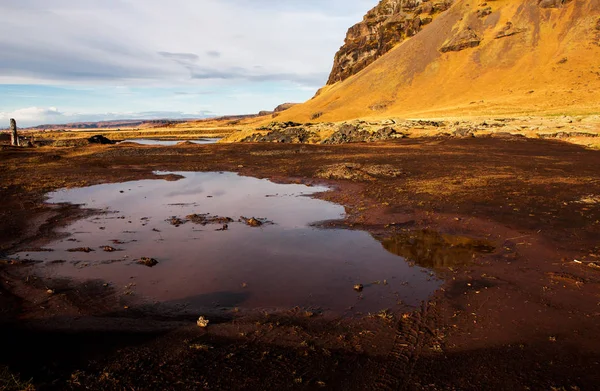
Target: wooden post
(14, 137)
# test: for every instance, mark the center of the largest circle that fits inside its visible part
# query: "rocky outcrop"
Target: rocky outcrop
(353, 134)
(465, 39)
(287, 135)
(508, 30)
(284, 106)
(386, 25)
(552, 3)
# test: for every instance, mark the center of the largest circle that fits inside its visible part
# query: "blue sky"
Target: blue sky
(89, 60)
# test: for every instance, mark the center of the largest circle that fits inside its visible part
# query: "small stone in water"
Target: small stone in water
(150, 262)
(202, 322)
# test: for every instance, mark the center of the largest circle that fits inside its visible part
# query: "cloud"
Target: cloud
(119, 41)
(32, 116)
(180, 56)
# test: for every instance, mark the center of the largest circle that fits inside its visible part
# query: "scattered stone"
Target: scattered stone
(80, 250)
(252, 221)
(176, 221)
(204, 219)
(202, 322)
(50, 291)
(150, 262)
(358, 287)
(108, 249)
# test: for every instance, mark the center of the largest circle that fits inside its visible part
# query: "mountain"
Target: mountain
(127, 124)
(466, 58)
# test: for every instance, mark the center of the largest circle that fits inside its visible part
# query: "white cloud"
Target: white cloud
(32, 116)
(178, 41)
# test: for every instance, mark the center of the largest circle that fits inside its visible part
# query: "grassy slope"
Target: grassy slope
(496, 78)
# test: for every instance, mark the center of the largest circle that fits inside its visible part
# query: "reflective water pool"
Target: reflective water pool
(224, 240)
(170, 142)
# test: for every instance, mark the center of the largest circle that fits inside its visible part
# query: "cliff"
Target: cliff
(383, 27)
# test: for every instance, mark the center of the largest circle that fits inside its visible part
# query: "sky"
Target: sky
(89, 60)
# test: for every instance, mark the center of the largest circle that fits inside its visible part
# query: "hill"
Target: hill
(503, 57)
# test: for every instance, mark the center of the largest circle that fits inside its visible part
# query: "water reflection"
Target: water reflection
(171, 142)
(284, 264)
(434, 250)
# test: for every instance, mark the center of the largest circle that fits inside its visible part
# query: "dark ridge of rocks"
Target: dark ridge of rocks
(288, 136)
(353, 134)
(99, 139)
(567, 135)
(552, 3)
(466, 39)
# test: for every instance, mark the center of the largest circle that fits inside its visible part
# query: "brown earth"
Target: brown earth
(522, 317)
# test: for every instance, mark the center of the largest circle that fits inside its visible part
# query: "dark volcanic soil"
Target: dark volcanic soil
(525, 316)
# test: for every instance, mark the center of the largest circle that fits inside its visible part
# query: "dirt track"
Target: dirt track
(525, 315)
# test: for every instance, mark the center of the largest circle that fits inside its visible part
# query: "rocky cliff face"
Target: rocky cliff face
(386, 25)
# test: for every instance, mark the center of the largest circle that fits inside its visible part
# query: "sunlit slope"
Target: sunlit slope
(530, 60)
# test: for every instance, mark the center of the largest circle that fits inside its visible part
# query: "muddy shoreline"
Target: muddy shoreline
(525, 315)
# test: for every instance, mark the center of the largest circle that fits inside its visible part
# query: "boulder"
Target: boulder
(466, 39)
(99, 139)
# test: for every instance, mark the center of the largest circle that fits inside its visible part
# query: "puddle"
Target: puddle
(433, 250)
(171, 142)
(277, 261)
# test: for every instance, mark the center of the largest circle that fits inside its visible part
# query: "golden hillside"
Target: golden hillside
(504, 57)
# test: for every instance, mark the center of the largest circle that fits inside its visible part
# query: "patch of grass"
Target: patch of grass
(11, 382)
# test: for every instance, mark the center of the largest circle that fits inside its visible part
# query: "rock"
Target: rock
(508, 30)
(150, 262)
(265, 112)
(552, 3)
(283, 107)
(358, 287)
(202, 322)
(467, 38)
(204, 219)
(252, 221)
(176, 221)
(482, 13)
(14, 137)
(108, 249)
(463, 132)
(287, 135)
(353, 134)
(383, 27)
(99, 139)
